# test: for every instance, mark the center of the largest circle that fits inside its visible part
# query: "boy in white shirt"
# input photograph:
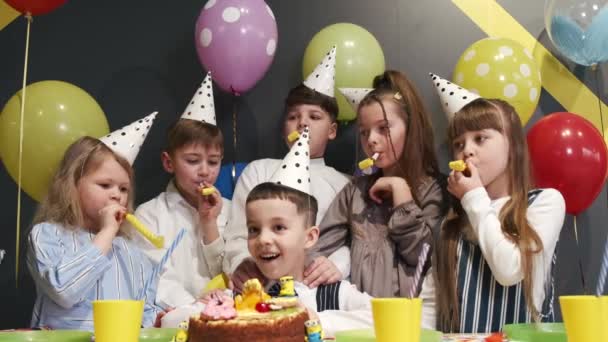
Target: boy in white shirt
(311, 104)
(193, 155)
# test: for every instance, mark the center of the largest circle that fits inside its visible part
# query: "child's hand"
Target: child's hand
(321, 271)
(159, 317)
(210, 206)
(390, 188)
(459, 184)
(245, 271)
(111, 216)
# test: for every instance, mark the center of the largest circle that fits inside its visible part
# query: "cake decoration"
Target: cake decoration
(182, 333)
(314, 332)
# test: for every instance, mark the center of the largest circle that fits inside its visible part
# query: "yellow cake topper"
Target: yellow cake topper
(182, 332)
(314, 331)
(253, 293)
(287, 287)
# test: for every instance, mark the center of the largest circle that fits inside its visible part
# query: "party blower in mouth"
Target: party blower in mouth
(368, 162)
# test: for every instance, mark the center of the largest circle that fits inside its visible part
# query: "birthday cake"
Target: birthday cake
(254, 316)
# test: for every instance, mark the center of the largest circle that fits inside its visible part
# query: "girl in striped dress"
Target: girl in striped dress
(77, 251)
(495, 253)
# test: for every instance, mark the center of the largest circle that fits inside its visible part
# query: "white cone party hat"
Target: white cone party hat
(355, 95)
(127, 141)
(452, 96)
(294, 170)
(323, 78)
(202, 106)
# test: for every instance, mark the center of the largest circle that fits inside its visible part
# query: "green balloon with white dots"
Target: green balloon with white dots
(501, 68)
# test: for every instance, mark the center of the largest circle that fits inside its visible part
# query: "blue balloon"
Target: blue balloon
(583, 46)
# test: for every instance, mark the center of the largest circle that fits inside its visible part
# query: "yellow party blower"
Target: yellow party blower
(458, 165)
(157, 241)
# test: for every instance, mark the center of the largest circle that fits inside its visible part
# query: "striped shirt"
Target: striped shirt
(70, 272)
(486, 305)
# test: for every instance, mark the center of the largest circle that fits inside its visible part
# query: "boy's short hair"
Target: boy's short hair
(186, 132)
(305, 204)
(304, 95)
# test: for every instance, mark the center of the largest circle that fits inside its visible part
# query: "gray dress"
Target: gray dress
(384, 242)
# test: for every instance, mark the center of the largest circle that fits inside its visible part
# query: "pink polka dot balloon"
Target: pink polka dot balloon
(236, 40)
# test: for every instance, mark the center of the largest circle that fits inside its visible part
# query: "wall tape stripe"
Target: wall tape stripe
(557, 80)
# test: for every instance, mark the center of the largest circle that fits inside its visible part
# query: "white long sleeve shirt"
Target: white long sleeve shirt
(325, 183)
(545, 215)
(193, 263)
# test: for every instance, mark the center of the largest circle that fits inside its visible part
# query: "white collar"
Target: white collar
(317, 162)
(173, 197)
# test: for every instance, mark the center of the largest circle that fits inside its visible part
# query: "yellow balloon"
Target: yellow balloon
(501, 68)
(359, 58)
(56, 114)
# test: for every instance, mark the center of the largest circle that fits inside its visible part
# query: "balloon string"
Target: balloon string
(20, 156)
(596, 70)
(580, 262)
(599, 97)
(234, 112)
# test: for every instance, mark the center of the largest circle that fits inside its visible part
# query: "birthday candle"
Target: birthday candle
(162, 262)
(601, 281)
(421, 261)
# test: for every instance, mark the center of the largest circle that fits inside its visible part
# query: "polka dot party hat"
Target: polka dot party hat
(127, 141)
(294, 170)
(323, 78)
(452, 96)
(355, 95)
(202, 107)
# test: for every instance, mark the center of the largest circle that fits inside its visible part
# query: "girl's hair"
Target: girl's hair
(418, 160)
(62, 202)
(498, 115)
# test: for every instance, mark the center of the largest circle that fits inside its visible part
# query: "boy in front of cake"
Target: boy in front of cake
(281, 217)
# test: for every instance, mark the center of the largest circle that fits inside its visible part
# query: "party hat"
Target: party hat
(202, 107)
(294, 170)
(452, 96)
(127, 141)
(323, 78)
(355, 95)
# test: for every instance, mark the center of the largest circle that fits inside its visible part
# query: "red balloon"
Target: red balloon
(35, 7)
(569, 154)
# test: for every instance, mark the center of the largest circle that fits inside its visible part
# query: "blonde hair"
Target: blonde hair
(498, 115)
(62, 202)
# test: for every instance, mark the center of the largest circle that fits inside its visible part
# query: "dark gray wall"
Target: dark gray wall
(137, 56)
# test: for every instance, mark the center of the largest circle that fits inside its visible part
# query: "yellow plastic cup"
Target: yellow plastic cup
(117, 320)
(604, 307)
(582, 318)
(397, 319)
